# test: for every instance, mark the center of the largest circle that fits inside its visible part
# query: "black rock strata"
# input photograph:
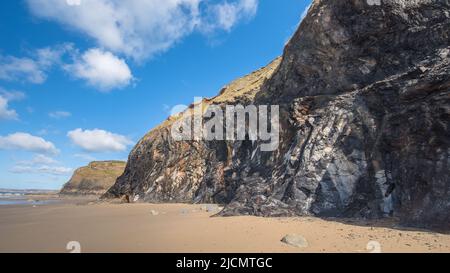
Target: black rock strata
(365, 107)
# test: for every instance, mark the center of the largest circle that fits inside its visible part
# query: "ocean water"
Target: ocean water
(5, 194)
(8, 198)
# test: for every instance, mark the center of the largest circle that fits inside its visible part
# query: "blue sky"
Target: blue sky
(84, 80)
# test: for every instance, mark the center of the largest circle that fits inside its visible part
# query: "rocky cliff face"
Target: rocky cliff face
(94, 179)
(363, 88)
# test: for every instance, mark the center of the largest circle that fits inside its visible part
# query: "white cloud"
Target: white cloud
(43, 159)
(5, 112)
(40, 164)
(5, 98)
(33, 68)
(12, 95)
(42, 169)
(39, 159)
(59, 114)
(49, 56)
(227, 14)
(12, 68)
(98, 67)
(140, 29)
(27, 142)
(99, 140)
(101, 69)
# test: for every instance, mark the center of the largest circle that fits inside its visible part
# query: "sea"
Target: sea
(24, 198)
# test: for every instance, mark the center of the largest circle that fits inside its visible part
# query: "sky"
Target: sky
(84, 80)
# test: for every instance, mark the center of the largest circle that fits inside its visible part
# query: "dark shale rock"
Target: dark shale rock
(363, 88)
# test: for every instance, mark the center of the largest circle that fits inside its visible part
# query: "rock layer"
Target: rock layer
(94, 179)
(364, 96)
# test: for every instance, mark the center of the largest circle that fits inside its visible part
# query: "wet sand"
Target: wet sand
(189, 228)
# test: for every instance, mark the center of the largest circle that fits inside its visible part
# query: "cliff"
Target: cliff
(363, 89)
(94, 179)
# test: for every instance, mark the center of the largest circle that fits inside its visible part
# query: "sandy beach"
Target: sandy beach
(190, 228)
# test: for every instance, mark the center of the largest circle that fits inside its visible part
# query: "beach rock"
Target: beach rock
(363, 91)
(295, 240)
(94, 179)
(154, 213)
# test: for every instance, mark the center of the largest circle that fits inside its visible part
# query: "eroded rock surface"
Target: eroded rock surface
(363, 90)
(94, 179)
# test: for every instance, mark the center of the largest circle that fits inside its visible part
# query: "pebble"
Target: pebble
(295, 240)
(154, 213)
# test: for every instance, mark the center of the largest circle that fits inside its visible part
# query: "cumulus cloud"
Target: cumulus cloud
(99, 140)
(5, 112)
(5, 97)
(140, 29)
(40, 164)
(33, 68)
(42, 169)
(59, 114)
(101, 69)
(12, 68)
(27, 142)
(53, 55)
(12, 95)
(227, 14)
(43, 159)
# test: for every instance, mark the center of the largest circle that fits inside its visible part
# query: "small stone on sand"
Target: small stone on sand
(154, 212)
(295, 240)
